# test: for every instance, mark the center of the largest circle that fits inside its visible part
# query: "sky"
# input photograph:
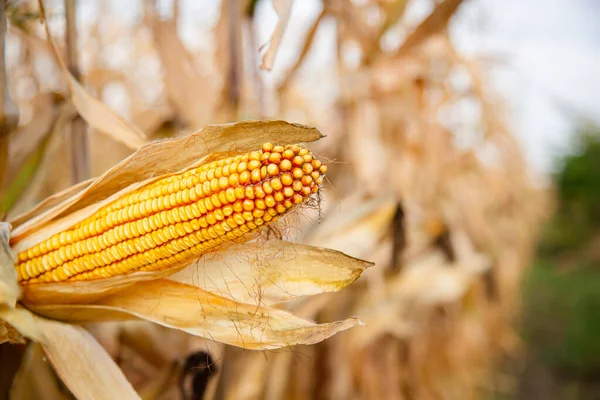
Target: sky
(550, 69)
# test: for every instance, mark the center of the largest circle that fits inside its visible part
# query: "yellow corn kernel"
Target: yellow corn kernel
(178, 217)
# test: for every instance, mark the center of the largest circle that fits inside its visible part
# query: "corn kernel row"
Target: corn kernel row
(176, 217)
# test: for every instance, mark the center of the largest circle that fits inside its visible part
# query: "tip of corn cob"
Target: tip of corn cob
(178, 217)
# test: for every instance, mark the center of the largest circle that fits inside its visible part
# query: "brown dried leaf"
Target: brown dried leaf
(82, 364)
(22, 320)
(201, 313)
(264, 273)
(83, 292)
(358, 226)
(283, 9)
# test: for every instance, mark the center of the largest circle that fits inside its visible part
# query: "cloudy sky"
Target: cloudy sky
(550, 72)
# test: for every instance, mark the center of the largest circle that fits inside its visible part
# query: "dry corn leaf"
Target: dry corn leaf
(271, 272)
(22, 320)
(201, 313)
(83, 292)
(283, 9)
(357, 226)
(96, 113)
(430, 280)
(79, 360)
(152, 161)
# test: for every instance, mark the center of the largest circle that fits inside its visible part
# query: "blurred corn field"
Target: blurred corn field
(436, 195)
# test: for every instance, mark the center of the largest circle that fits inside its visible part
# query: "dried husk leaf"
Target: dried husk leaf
(430, 280)
(22, 320)
(9, 288)
(264, 273)
(84, 292)
(359, 229)
(201, 313)
(151, 162)
(82, 364)
(283, 9)
(96, 113)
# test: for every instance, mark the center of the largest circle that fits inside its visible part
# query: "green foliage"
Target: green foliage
(562, 292)
(562, 318)
(578, 190)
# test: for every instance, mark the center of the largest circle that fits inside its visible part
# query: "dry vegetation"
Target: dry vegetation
(438, 198)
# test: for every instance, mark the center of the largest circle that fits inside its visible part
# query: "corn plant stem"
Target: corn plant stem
(234, 45)
(77, 128)
(258, 83)
(175, 12)
(9, 116)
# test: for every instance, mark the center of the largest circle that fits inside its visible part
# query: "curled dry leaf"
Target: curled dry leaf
(283, 9)
(96, 113)
(201, 313)
(78, 359)
(358, 230)
(430, 280)
(272, 272)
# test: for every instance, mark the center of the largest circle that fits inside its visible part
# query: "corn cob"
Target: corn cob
(177, 217)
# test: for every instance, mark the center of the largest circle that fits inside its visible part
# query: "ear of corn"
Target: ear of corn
(178, 217)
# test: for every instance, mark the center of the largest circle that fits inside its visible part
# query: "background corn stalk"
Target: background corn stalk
(438, 198)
